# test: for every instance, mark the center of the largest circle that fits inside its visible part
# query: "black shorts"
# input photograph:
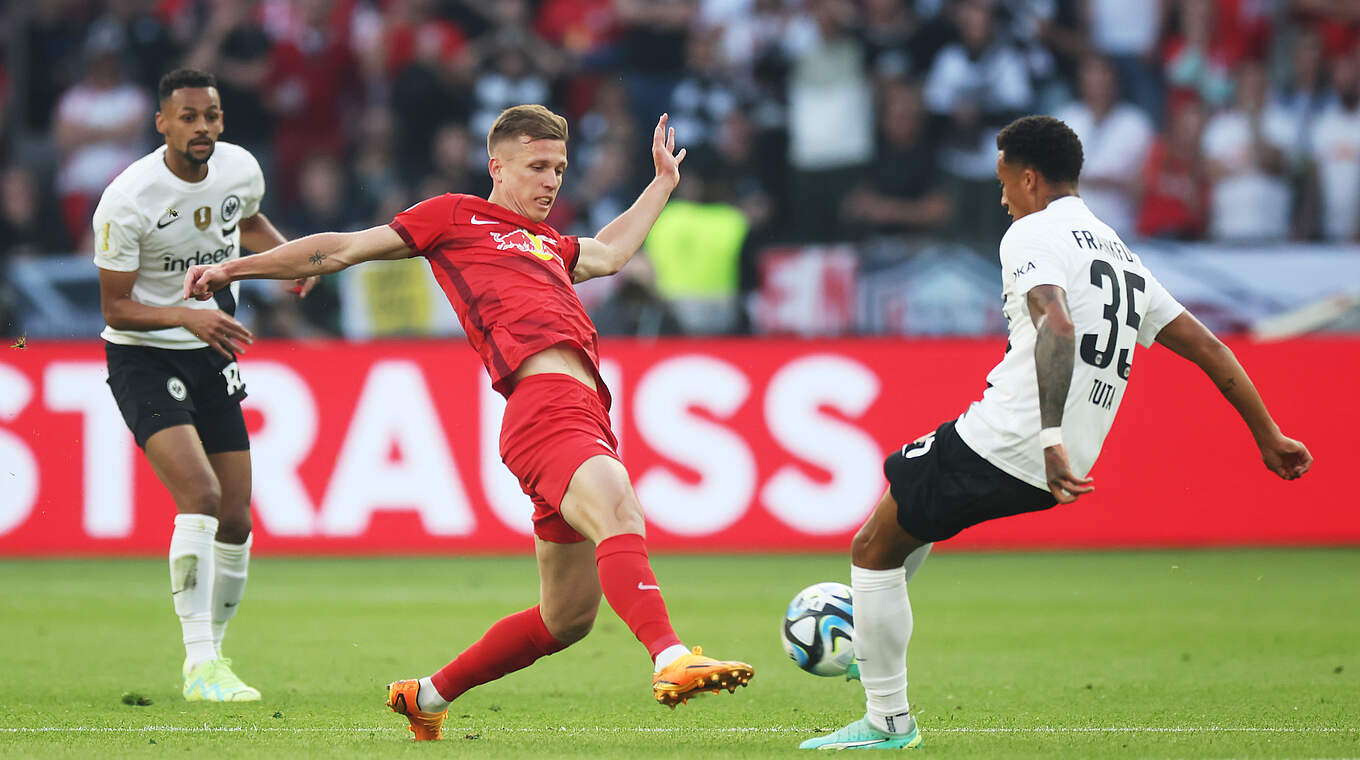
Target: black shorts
(157, 388)
(942, 486)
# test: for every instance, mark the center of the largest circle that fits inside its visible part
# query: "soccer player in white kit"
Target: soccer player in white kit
(1076, 299)
(172, 363)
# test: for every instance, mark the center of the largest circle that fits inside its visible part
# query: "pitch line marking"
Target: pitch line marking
(668, 730)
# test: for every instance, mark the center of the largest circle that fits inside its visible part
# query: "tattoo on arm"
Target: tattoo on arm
(1054, 352)
(317, 258)
(1228, 385)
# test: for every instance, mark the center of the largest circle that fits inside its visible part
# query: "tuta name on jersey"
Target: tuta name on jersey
(172, 264)
(1091, 242)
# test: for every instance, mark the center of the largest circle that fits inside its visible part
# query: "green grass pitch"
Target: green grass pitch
(1171, 654)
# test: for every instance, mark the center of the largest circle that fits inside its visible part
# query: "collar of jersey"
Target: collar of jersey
(477, 206)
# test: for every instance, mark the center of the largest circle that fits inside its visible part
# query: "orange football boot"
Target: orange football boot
(401, 697)
(693, 674)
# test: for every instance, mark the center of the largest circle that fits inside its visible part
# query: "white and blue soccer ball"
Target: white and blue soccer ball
(818, 629)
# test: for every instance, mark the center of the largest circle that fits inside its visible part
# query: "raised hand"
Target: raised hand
(663, 150)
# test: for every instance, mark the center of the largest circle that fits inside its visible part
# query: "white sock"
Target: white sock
(668, 655)
(428, 698)
(916, 559)
(229, 583)
(191, 584)
(882, 629)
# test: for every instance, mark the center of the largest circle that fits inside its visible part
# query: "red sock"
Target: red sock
(514, 642)
(631, 588)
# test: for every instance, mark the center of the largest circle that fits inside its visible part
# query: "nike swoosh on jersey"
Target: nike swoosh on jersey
(475, 220)
(644, 587)
(228, 230)
(163, 222)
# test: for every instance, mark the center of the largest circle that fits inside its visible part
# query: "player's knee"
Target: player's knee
(876, 549)
(570, 626)
(233, 528)
(203, 496)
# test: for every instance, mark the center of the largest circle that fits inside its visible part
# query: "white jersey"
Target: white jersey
(1114, 301)
(155, 224)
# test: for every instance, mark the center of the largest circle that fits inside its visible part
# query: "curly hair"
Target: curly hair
(1044, 144)
(180, 78)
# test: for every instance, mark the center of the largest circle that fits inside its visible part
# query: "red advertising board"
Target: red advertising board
(733, 445)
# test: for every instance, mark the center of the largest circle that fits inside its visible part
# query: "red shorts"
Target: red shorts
(553, 423)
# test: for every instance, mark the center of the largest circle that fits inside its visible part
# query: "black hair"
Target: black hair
(1044, 144)
(180, 78)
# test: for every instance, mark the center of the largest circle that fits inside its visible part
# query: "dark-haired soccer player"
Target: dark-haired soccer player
(172, 365)
(1077, 300)
(509, 276)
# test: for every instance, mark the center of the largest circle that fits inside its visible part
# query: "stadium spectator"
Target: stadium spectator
(455, 163)
(1302, 96)
(605, 191)
(99, 129)
(902, 192)
(705, 95)
(510, 78)
(652, 49)
(311, 89)
(1251, 197)
(634, 307)
(48, 46)
(586, 31)
(1199, 58)
(234, 44)
(323, 204)
(975, 86)
(1115, 137)
(749, 31)
(695, 248)
(27, 227)
(1173, 185)
(1128, 35)
(149, 49)
(892, 36)
(826, 155)
(1336, 152)
(413, 29)
(374, 161)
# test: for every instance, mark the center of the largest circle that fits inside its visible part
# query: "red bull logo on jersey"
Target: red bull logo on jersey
(521, 240)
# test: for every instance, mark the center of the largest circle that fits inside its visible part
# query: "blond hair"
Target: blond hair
(534, 121)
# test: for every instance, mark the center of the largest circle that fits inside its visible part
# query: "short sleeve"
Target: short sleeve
(422, 225)
(1031, 263)
(1161, 309)
(250, 205)
(571, 251)
(117, 233)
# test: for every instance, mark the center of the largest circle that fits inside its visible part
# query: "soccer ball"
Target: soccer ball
(818, 627)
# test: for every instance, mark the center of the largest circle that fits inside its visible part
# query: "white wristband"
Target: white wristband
(1051, 436)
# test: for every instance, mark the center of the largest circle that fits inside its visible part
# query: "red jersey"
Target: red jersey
(508, 278)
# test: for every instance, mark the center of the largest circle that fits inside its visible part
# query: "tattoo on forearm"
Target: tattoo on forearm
(1228, 385)
(317, 258)
(1053, 364)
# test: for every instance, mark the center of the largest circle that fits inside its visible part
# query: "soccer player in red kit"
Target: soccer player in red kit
(509, 276)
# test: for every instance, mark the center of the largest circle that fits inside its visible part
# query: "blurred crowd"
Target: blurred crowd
(807, 121)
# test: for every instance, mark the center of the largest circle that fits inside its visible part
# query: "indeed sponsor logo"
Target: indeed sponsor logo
(172, 264)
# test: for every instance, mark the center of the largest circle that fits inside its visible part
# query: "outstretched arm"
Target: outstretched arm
(1054, 349)
(322, 253)
(1188, 337)
(259, 234)
(608, 251)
